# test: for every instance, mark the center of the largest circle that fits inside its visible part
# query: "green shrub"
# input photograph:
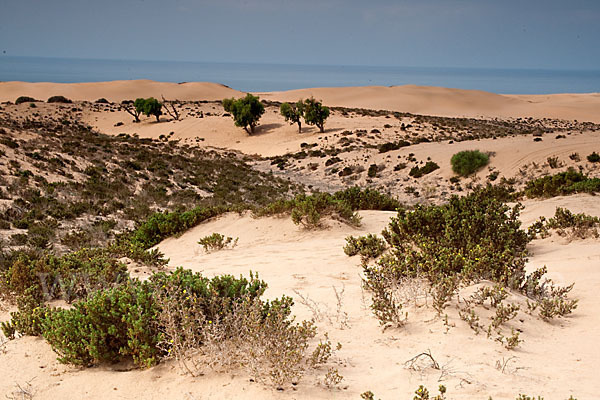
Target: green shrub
(594, 157)
(367, 199)
(163, 225)
(563, 183)
(123, 322)
(389, 146)
(429, 167)
(71, 276)
(476, 236)
(216, 241)
(369, 246)
(308, 210)
(468, 162)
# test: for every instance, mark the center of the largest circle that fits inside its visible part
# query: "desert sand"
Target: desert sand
(556, 360)
(409, 98)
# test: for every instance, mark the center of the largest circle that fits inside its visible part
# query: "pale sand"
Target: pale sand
(556, 360)
(410, 98)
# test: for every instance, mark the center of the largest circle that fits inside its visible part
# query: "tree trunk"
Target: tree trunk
(299, 126)
(322, 128)
(157, 118)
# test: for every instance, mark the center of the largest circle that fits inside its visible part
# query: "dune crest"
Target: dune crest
(409, 98)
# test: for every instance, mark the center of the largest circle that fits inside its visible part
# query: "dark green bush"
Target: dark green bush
(594, 157)
(123, 322)
(476, 236)
(429, 167)
(163, 225)
(245, 111)
(59, 99)
(563, 183)
(25, 99)
(367, 199)
(468, 162)
(369, 246)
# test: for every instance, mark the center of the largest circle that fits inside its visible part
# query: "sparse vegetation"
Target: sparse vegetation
(429, 167)
(216, 241)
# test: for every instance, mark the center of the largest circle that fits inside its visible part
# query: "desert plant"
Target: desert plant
(246, 111)
(594, 157)
(293, 113)
(429, 167)
(467, 162)
(216, 241)
(315, 113)
(25, 99)
(369, 246)
(148, 107)
(59, 99)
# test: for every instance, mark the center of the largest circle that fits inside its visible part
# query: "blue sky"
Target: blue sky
(545, 34)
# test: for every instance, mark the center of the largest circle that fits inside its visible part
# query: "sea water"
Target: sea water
(276, 77)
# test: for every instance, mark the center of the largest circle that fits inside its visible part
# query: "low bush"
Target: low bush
(216, 241)
(70, 277)
(468, 162)
(59, 99)
(470, 239)
(428, 168)
(563, 183)
(594, 157)
(369, 246)
(25, 99)
(163, 225)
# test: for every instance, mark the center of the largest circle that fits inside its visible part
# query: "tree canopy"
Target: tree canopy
(246, 111)
(293, 113)
(148, 107)
(315, 113)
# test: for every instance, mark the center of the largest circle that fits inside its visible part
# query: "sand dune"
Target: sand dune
(409, 98)
(116, 91)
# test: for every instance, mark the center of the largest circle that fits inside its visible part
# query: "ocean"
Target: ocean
(276, 77)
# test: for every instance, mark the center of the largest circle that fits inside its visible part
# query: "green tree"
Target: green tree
(315, 113)
(149, 106)
(245, 111)
(293, 113)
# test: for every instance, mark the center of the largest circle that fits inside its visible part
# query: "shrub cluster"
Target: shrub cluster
(429, 167)
(309, 209)
(472, 238)
(216, 241)
(369, 246)
(566, 224)
(468, 162)
(563, 183)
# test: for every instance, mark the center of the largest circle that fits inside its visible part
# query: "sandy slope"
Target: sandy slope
(409, 98)
(117, 91)
(556, 359)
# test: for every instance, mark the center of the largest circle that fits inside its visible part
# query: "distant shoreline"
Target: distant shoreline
(253, 77)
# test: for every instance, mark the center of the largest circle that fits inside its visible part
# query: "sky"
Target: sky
(524, 34)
